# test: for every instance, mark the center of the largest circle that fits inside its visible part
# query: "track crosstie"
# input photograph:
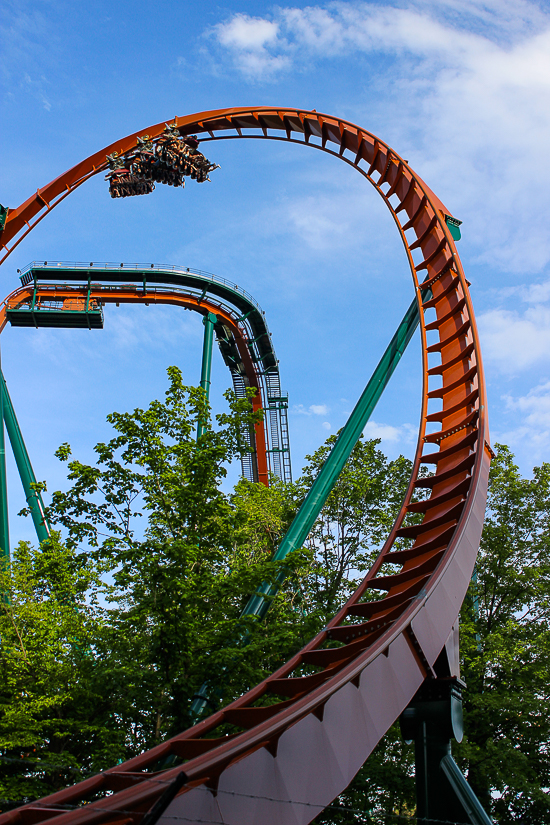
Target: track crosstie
(293, 757)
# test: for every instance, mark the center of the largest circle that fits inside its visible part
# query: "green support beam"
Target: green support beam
(258, 604)
(206, 368)
(26, 473)
(4, 524)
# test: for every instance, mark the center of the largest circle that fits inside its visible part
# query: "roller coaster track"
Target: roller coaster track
(241, 331)
(287, 760)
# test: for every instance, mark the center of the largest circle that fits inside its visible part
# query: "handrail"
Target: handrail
(178, 270)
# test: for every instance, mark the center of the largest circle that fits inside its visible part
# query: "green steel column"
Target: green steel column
(209, 320)
(258, 604)
(4, 524)
(26, 473)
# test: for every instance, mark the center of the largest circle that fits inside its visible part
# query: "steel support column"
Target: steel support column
(24, 466)
(304, 520)
(4, 524)
(209, 320)
(431, 721)
(258, 604)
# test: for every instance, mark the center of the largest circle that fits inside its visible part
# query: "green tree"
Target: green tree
(181, 558)
(354, 522)
(505, 653)
(96, 669)
(178, 587)
(505, 646)
(55, 719)
(99, 669)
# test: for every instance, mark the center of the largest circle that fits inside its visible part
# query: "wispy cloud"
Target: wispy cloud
(127, 333)
(318, 221)
(388, 433)
(25, 31)
(452, 33)
(35, 88)
(468, 93)
(249, 39)
(513, 340)
(532, 435)
(313, 409)
(319, 409)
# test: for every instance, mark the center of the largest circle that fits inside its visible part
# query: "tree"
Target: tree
(355, 520)
(181, 558)
(505, 646)
(95, 669)
(55, 719)
(101, 668)
(179, 587)
(505, 650)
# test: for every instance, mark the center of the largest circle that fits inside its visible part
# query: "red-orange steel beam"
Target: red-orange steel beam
(307, 747)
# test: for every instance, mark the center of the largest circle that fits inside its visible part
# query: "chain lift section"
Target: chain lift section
(303, 732)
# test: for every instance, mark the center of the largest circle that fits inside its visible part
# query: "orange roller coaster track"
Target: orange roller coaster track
(290, 758)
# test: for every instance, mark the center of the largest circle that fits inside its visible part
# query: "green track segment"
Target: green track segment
(304, 520)
(26, 473)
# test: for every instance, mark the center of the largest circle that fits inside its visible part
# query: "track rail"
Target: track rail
(241, 331)
(308, 746)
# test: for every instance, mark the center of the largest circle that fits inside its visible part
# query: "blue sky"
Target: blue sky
(460, 89)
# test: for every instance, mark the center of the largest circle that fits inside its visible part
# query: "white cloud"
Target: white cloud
(244, 32)
(536, 293)
(383, 431)
(319, 409)
(532, 435)
(247, 38)
(35, 88)
(512, 340)
(535, 405)
(313, 409)
(467, 98)
(318, 222)
(406, 434)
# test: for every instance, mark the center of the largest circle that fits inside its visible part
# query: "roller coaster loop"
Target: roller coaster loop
(333, 703)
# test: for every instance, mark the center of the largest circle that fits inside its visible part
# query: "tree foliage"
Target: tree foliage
(355, 520)
(505, 645)
(163, 563)
(55, 719)
(107, 636)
